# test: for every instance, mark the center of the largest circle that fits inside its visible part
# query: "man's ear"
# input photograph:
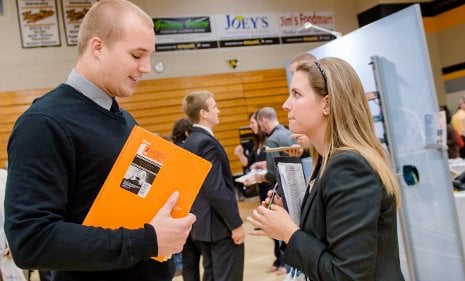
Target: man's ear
(202, 114)
(263, 124)
(96, 45)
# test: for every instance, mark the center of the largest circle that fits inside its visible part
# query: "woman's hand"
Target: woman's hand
(295, 150)
(238, 150)
(277, 200)
(274, 223)
(302, 140)
(259, 165)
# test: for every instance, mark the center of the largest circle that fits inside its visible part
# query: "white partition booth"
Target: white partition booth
(391, 58)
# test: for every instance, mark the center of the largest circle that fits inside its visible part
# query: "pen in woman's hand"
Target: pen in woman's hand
(273, 194)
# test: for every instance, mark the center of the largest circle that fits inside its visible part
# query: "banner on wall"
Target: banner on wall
(292, 31)
(73, 12)
(239, 30)
(184, 33)
(38, 23)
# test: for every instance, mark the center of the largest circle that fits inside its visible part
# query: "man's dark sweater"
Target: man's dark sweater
(60, 152)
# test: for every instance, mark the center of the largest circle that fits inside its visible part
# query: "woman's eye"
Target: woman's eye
(135, 56)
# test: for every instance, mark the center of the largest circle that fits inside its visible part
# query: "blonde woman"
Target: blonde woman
(348, 228)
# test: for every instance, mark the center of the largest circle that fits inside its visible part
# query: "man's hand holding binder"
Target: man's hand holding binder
(171, 232)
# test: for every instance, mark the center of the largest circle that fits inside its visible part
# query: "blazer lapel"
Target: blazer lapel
(308, 200)
(310, 195)
(203, 131)
(219, 145)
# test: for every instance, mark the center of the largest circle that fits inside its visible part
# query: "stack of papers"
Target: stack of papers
(250, 175)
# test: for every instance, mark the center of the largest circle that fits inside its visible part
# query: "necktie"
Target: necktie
(114, 106)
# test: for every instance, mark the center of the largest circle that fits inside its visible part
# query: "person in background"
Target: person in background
(458, 122)
(181, 129)
(348, 225)
(218, 232)
(62, 149)
(257, 154)
(454, 140)
(9, 270)
(278, 136)
(298, 59)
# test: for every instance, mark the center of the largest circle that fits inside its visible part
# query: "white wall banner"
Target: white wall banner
(290, 23)
(292, 31)
(38, 22)
(239, 30)
(73, 11)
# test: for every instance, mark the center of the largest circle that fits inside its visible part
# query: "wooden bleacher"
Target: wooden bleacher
(156, 104)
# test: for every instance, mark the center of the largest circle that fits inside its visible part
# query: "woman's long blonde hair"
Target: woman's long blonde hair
(350, 123)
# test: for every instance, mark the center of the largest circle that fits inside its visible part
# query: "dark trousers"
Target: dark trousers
(191, 261)
(462, 150)
(222, 260)
(45, 275)
(278, 262)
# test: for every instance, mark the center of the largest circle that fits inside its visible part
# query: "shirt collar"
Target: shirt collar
(205, 128)
(272, 131)
(89, 89)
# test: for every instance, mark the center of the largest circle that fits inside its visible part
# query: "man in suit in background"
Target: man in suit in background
(218, 233)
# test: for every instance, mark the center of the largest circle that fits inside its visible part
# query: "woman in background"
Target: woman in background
(256, 155)
(181, 129)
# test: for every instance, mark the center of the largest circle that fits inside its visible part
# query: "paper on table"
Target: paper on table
(250, 174)
(456, 166)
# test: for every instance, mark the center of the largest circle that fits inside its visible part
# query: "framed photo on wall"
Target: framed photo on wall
(38, 23)
(73, 12)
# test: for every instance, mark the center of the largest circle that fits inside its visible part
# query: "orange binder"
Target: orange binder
(147, 171)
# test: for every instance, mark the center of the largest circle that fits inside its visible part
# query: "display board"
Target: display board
(431, 245)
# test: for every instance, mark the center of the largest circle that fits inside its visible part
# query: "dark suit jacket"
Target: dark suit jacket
(215, 206)
(348, 225)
